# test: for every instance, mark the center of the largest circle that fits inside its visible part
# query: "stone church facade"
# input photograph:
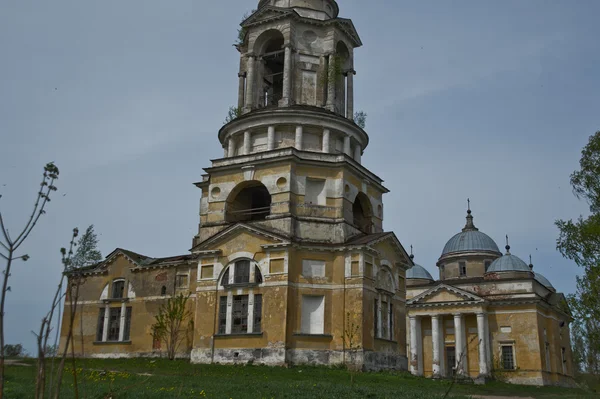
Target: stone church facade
(291, 264)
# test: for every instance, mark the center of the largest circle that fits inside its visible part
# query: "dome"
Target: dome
(418, 272)
(328, 8)
(470, 239)
(508, 263)
(543, 281)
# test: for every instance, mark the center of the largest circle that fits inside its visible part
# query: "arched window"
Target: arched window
(362, 213)
(242, 274)
(384, 313)
(118, 289)
(343, 64)
(247, 202)
(269, 46)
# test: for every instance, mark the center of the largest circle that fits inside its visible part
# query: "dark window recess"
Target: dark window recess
(242, 272)
(375, 319)
(508, 360)
(463, 269)
(114, 323)
(257, 314)
(391, 321)
(239, 319)
(118, 289)
(487, 265)
(225, 279)
(100, 328)
(257, 275)
(127, 332)
(223, 315)
(163, 291)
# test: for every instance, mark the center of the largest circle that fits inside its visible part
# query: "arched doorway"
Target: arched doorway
(362, 213)
(269, 47)
(249, 201)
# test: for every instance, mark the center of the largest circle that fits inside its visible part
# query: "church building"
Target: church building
(291, 263)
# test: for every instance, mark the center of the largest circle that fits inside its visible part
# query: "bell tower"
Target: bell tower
(293, 155)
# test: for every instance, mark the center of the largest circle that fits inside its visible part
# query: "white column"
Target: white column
(459, 342)
(247, 143)
(326, 138)
(299, 133)
(483, 344)
(436, 340)
(414, 357)
(250, 309)
(347, 146)
(231, 147)
(122, 322)
(241, 89)
(419, 346)
(350, 95)
(229, 315)
(287, 77)
(357, 153)
(250, 83)
(106, 318)
(331, 83)
(271, 138)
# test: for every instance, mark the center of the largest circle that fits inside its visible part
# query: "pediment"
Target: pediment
(266, 14)
(241, 233)
(445, 294)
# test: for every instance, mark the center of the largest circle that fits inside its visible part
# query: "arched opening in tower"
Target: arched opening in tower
(269, 48)
(249, 201)
(343, 65)
(362, 213)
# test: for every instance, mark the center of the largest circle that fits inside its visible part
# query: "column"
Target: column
(247, 143)
(357, 153)
(241, 89)
(225, 152)
(229, 315)
(250, 309)
(331, 83)
(106, 318)
(326, 138)
(414, 357)
(231, 147)
(271, 138)
(250, 83)
(436, 340)
(483, 344)
(350, 95)
(347, 146)
(299, 133)
(459, 343)
(122, 321)
(287, 77)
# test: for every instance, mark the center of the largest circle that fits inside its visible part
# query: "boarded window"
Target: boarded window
(354, 268)
(313, 268)
(313, 314)
(118, 289)
(508, 357)
(100, 327)
(315, 192)
(369, 270)
(181, 281)
(239, 315)
(206, 272)
(114, 324)
(127, 332)
(242, 272)
(223, 315)
(257, 327)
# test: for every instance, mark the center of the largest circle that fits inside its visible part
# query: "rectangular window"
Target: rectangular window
(127, 332)
(508, 357)
(100, 328)
(463, 268)
(315, 192)
(242, 272)
(181, 281)
(114, 324)
(376, 319)
(384, 320)
(313, 268)
(239, 315)
(313, 314)
(257, 313)
(118, 289)
(223, 315)
(391, 322)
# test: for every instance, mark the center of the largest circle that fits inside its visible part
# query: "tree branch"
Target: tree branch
(35, 206)
(2, 255)
(4, 232)
(23, 236)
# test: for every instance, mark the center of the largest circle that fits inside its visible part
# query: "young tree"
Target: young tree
(580, 241)
(9, 245)
(232, 114)
(13, 350)
(360, 118)
(171, 326)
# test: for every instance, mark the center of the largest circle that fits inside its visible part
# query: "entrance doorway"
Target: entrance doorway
(450, 361)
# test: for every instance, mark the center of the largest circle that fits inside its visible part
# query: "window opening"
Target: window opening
(463, 268)
(242, 272)
(225, 279)
(273, 60)
(508, 358)
(100, 330)
(127, 326)
(376, 319)
(313, 314)
(362, 215)
(391, 316)
(118, 289)
(223, 315)
(257, 314)
(451, 360)
(384, 320)
(240, 314)
(488, 263)
(251, 203)
(163, 291)
(181, 280)
(114, 323)
(258, 275)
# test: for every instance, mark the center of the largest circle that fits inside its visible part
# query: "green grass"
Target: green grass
(179, 379)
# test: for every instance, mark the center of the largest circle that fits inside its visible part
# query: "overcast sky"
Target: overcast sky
(491, 100)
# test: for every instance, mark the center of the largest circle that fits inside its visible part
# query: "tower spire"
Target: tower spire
(469, 226)
(507, 246)
(530, 263)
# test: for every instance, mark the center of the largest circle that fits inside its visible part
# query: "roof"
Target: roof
(418, 272)
(470, 239)
(508, 263)
(543, 281)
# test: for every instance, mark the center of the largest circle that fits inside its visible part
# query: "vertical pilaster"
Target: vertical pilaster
(106, 319)
(229, 315)
(231, 147)
(247, 142)
(326, 138)
(225, 152)
(122, 321)
(347, 146)
(414, 359)
(271, 138)
(459, 342)
(299, 137)
(331, 83)
(241, 89)
(250, 310)
(483, 344)
(436, 341)
(357, 153)
(287, 77)
(350, 95)
(251, 63)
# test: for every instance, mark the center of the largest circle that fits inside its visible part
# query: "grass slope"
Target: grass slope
(158, 378)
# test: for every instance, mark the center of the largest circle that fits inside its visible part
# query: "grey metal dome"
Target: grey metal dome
(470, 239)
(418, 272)
(508, 263)
(543, 281)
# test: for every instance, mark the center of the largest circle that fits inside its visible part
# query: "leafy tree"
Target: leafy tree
(580, 241)
(241, 37)
(360, 118)
(13, 350)
(171, 326)
(9, 245)
(233, 113)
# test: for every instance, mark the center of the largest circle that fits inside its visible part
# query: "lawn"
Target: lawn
(158, 378)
